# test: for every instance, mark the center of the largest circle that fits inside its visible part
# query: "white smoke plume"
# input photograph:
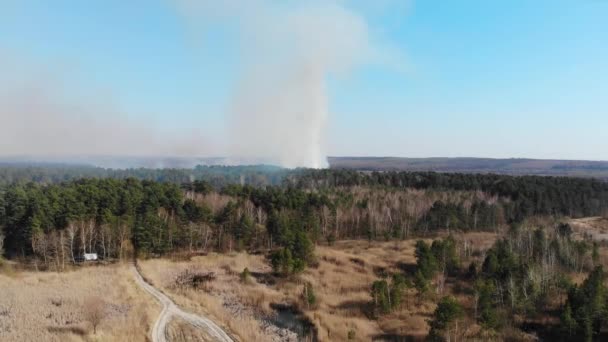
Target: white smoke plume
(279, 109)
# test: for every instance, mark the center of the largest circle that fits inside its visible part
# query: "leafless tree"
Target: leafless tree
(207, 235)
(105, 236)
(61, 248)
(94, 311)
(56, 248)
(91, 234)
(40, 245)
(83, 238)
(1, 242)
(71, 232)
(123, 237)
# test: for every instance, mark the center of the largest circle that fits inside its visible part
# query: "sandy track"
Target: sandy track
(171, 310)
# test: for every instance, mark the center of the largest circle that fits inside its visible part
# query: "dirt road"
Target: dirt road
(170, 310)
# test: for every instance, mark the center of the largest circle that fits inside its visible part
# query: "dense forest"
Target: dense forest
(218, 176)
(59, 223)
(531, 195)
(112, 211)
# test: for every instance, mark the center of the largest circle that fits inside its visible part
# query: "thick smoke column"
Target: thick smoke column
(279, 110)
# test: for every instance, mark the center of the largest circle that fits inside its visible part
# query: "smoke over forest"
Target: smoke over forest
(277, 111)
(45, 114)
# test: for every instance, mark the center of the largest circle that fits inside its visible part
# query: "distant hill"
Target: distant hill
(578, 168)
(89, 166)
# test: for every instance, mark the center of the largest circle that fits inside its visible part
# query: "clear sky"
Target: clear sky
(504, 78)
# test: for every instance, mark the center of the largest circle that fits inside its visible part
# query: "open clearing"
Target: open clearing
(341, 281)
(595, 228)
(48, 306)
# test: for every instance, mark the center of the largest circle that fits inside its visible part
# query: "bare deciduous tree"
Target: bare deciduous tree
(71, 231)
(1, 243)
(40, 245)
(60, 245)
(94, 311)
(123, 238)
(105, 239)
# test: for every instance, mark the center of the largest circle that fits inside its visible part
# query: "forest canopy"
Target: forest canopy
(251, 207)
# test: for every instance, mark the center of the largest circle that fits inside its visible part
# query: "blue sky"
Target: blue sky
(514, 78)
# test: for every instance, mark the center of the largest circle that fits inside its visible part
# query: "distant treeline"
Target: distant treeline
(510, 166)
(530, 195)
(217, 176)
(59, 223)
(113, 215)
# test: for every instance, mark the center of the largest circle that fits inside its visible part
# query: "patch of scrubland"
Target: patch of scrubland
(50, 306)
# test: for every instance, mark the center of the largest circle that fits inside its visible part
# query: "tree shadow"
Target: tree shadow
(357, 306)
(407, 268)
(397, 338)
(553, 332)
(265, 278)
(357, 261)
(68, 330)
(381, 272)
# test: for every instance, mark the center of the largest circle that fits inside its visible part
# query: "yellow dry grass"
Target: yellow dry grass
(179, 330)
(595, 228)
(341, 281)
(226, 288)
(37, 306)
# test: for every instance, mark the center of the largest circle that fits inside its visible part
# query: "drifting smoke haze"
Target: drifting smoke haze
(45, 116)
(279, 110)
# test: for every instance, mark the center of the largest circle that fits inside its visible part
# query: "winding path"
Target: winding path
(170, 310)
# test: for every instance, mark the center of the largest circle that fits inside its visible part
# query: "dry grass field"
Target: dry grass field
(341, 281)
(179, 330)
(225, 300)
(595, 228)
(49, 306)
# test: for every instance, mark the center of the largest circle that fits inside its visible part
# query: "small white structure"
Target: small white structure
(90, 256)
